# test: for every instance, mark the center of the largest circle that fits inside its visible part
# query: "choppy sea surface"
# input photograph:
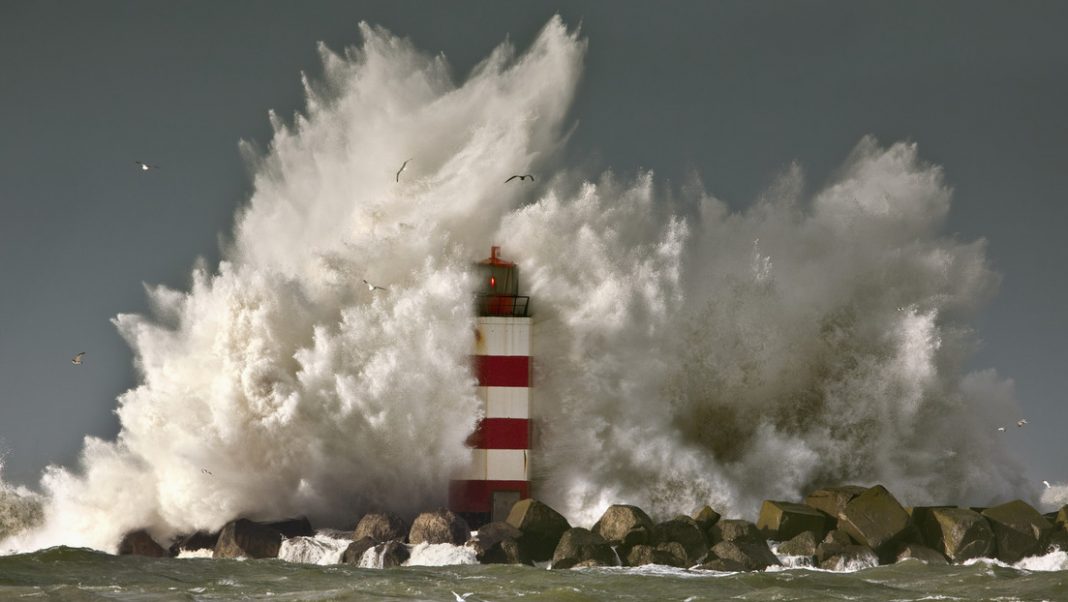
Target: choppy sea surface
(63, 573)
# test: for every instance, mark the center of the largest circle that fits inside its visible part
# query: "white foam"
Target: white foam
(201, 553)
(440, 554)
(321, 549)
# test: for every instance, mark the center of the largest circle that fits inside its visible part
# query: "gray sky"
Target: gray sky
(732, 90)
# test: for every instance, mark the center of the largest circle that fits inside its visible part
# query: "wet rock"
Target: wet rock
(753, 556)
(140, 543)
(582, 546)
(356, 549)
(645, 554)
(923, 553)
(1019, 530)
(958, 533)
(200, 540)
(676, 552)
(626, 525)
(782, 521)
(848, 557)
(706, 517)
(875, 519)
(685, 531)
(802, 544)
(392, 553)
(244, 538)
(380, 527)
(439, 526)
(1062, 516)
(832, 500)
(723, 565)
(1058, 540)
(839, 537)
(498, 543)
(730, 529)
(542, 528)
(293, 527)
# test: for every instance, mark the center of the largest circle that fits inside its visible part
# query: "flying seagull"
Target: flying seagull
(1046, 483)
(1021, 422)
(146, 166)
(462, 597)
(207, 472)
(1001, 429)
(521, 178)
(77, 360)
(374, 287)
(403, 165)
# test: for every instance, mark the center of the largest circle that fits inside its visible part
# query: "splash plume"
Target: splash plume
(685, 353)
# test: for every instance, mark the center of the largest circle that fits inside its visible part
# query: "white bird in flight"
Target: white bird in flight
(146, 166)
(1046, 483)
(521, 178)
(77, 360)
(403, 165)
(462, 597)
(1001, 429)
(374, 287)
(1021, 422)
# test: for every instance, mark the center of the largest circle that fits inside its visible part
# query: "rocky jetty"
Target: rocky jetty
(835, 528)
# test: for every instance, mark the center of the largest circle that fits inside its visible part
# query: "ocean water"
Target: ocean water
(64, 573)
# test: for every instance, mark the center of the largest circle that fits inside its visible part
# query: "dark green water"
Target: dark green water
(77, 574)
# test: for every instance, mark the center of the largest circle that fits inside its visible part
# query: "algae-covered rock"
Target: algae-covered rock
(380, 527)
(1019, 530)
(542, 527)
(782, 521)
(582, 546)
(875, 519)
(439, 526)
(959, 533)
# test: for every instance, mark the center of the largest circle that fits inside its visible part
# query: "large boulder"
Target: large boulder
(803, 544)
(140, 543)
(752, 556)
(392, 553)
(293, 527)
(723, 565)
(921, 553)
(783, 521)
(1061, 518)
(498, 543)
(685, 531)
(730, 529)
(706, 517)
(247, 539)
(201, 540)
(644, 554)
(839, 537)
(847, 558)
(625, 525)
(958, 533)
(380, 526)
(580, 546)
(832, 500)
(1019, 530)
(356, 549)
(875, 519)
(542, 527)
(439, 526)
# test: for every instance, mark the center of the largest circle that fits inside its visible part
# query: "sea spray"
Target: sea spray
(684, 353)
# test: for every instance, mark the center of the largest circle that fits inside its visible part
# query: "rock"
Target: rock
(627, 525)
(730, 529)
(294, 527)
(685, 531)
(782, 521)
(875, 519)
(542, 528)
(723, 565)
(380, 527)
(959, 533)
(1019, 530)
(803, 544)
(675, 552)
(849, 557)
(439, 526)
(244, 538)
(393, 553)
(645, 554)
(197, 541)
(832, 500)
(1058, 541)
(839, 537)
(140, 543)
(706, 517)
(752, 556)
(922, 553)
(582, 546)
(1062, 516)
(497, 543)
(354, 552)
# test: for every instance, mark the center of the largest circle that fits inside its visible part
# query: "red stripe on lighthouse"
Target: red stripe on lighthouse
(501, 433)
(502, 370)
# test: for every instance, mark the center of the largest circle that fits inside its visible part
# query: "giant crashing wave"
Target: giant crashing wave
(684, 354)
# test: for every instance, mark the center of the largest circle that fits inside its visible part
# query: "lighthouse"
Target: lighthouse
(499, 472)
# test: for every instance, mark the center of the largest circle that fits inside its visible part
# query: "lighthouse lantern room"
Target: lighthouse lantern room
(499, 472)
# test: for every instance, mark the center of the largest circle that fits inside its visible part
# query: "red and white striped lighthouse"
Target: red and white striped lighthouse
(499, 473)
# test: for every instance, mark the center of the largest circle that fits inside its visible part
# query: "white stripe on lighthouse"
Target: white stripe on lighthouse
(497, 465)
(505, 402)
(503, 336)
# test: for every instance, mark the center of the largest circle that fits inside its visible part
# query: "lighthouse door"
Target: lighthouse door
(502, 504)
